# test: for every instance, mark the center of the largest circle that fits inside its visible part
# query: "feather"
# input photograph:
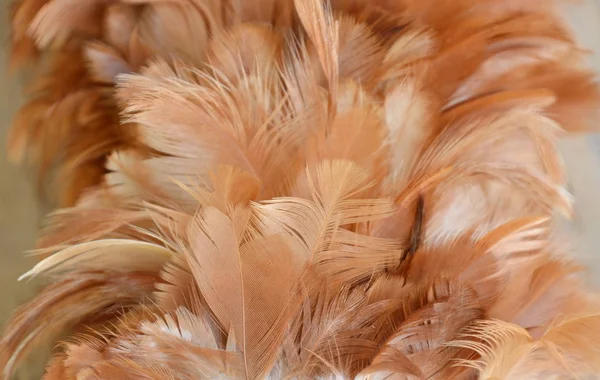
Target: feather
(120, 22)
(236, 54)
(67, 104)
(230, 279)
(186, 343)
(97, 215)
(417, 347)
(234, 138)
(59, 17)
(65, 303)
(177, 287)
(301, 189)
(359, 51)
(508, 345)
(391, 363)
(523, 175)
(508, 350)
(410, 118)
(104, 255)
(56, 370)
(323, 32)
(573, 337)
(105, 62)
(406, 52)
(356, 133)
(331, 336)
(164, 26)
(312, 227)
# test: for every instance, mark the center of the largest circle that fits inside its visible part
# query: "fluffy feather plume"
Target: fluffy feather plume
(303, 189)
(569, 349)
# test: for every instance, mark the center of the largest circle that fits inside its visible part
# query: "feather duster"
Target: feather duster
(283, 189)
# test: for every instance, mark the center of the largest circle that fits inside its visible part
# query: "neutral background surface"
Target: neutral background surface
(582, 154)
(20, 214)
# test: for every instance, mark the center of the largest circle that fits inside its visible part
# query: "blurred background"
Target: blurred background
(21, 213)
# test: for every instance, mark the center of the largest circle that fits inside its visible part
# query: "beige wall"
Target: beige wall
(19, 217)
(582, 154)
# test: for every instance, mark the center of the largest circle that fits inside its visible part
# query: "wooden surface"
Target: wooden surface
(20, 216)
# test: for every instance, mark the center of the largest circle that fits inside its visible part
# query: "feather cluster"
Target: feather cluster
(278, 189)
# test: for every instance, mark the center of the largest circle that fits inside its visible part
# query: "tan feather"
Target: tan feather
(411, 119)
(234, 268)
(312, 226)
(422, 336)
(187, 344)
(23, 48)
(163, 28)
(323, 32)
(574, 337)
(509, 351)
(59, 17)
(105, 62)
(110, 254)
(65, 303)
(120, 22)
(301, 189)
(359, 51)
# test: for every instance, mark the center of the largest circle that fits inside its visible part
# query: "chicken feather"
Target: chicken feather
(303, 189)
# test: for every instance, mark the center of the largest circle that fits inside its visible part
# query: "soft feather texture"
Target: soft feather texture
(303, 189)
